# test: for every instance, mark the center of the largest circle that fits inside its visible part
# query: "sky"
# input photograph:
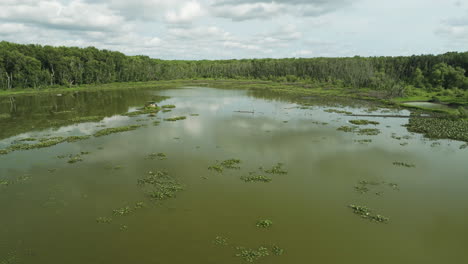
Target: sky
(235, 29)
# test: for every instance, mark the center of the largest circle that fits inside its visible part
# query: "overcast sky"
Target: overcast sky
(224, 29)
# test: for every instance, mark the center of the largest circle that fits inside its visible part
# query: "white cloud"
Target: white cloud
(187, 13)
(75, 15)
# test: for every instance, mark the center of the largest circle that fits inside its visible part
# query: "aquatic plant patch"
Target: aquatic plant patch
(368, 131)
(173, 119)
(122, 211)
(404, 164)
(162, 185)
(108, 131)
(226, 164)
(169, 106)
(367, 213)
(264, 223)
(250, 254)
(363, 122)
(337, 111)
(277, 250)
(104, 220)
(276, 169)
(159, 156)
(231, 163)
(255, 178)
(220, 241)
(439, 128)
(366, 186)
(143, 111)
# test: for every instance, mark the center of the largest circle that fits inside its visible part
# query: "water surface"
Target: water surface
(50, 207)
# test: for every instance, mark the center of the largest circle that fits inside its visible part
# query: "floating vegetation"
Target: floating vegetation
(252, 255)
(220, 241)
(75, 159)
(277, 169)
(226, 164)
(361, 189)
(52, 170)
(368, 131)
(76, 138)
(363, 122)
(438, 128)
(366, 213)
(362, 131)
(216, 168)
(104, 220)
(122, 211)
(277, 250)
(363, 141)
(27, 139)
(364, 186)
(338, 111)
(163, 186)
(194, 115)
(159, 156)
(464, 146)
(403, 164)
(435, 144)
(4, 183)
(149, 110)
(255, 178)
(166, 110)
(264, 223)
(108, 131)
(319, 123)
(347, 129)
(156, 123)
(404, 144)
(139, 205)
(231, 164)
(141, 120)
(123, 228)
(172, 119)
(168, 106)
(11, 259)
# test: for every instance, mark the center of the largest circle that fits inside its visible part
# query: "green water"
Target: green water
(49, 209)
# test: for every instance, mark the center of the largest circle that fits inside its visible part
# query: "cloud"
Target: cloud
(454, 28)
(75, 15)
(187, 13)
(241, 10)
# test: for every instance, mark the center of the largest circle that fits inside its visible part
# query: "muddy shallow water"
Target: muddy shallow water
(49, 208)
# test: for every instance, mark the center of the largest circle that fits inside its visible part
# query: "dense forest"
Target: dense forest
(35, 66)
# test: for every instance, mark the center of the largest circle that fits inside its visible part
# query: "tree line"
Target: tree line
(36, 66)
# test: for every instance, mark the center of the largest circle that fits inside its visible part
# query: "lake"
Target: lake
(148, 195)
